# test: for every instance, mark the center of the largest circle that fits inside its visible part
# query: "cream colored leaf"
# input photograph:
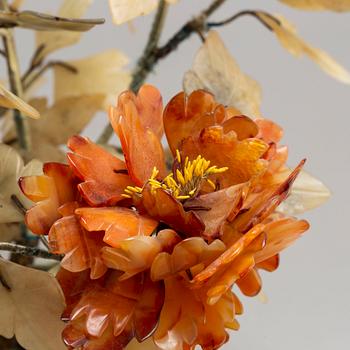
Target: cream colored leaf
(66, 117)
(333, 5)
(287, 36)
(31, 303)
(126, 10)
(52, 41)
(215, 70)
(307, 193)
(43, 21)
(99, 74)
(11, 169)
(11, 101)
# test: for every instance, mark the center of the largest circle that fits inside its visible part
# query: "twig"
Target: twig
(31, 78)
(144, 64)
(15, 83)
(34, 62)
(28, 251)
(253, 13)
(18, 204)
(152, 54)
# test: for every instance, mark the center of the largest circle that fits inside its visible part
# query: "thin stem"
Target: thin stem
(144, 64)
(15, 83)
(33, 76)
(152, 54)
(28, 251)
(241, 14)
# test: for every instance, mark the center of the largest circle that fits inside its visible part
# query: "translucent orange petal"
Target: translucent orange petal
(81, 248)
(250, 284)
(186, 320)
(132, 120)
(269, 131)
(163, 207)
(112, 313)
(261, 204)
(243, 158)
(215, 208)
(134, 255)
(229, 255)
(186, 254)
(243, 126)
(117, 222)
(188, 115)
(49, 191)
(104, 176)
(281, 233)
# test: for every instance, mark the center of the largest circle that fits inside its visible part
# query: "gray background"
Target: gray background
(309, 295)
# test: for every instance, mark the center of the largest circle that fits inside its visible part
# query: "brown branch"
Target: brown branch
(21, 123)
(254, 13)
(28, 251)
(144, 64)
(152, 54)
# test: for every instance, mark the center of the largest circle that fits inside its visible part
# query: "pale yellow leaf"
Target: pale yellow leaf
(215, 70)
(307, 193)
(11, 169)
(125, 10)
(287, 36)
(333, 5)
(43, 21)
(99, 74)
(11, 101)
(66, 117)
(53, 41)
(31, 303)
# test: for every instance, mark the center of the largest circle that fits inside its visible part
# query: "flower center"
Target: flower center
(185, 182)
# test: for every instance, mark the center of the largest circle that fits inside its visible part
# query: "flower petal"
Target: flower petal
(118, 223)
(49, 191)
(105, 176)
(141, 145)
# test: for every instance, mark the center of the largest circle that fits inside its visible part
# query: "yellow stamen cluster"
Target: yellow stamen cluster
(185, 182)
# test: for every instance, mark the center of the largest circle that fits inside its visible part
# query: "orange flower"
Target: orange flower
(153, 247)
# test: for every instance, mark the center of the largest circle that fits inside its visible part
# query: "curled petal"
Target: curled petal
(110, 314)
(49, 192)
(250, 284)
(244, 127)
(188, 115)
(229, 255)
(281, 232)
(134, 255)
(104, 176)
(243, 158)
(81, 248)
(260, 205)
(215, 208)
(117, 222)
(269, 131)
(132, 120)
(163, 207)
(187, 254)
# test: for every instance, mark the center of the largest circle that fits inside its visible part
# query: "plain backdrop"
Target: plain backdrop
(308, 297)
